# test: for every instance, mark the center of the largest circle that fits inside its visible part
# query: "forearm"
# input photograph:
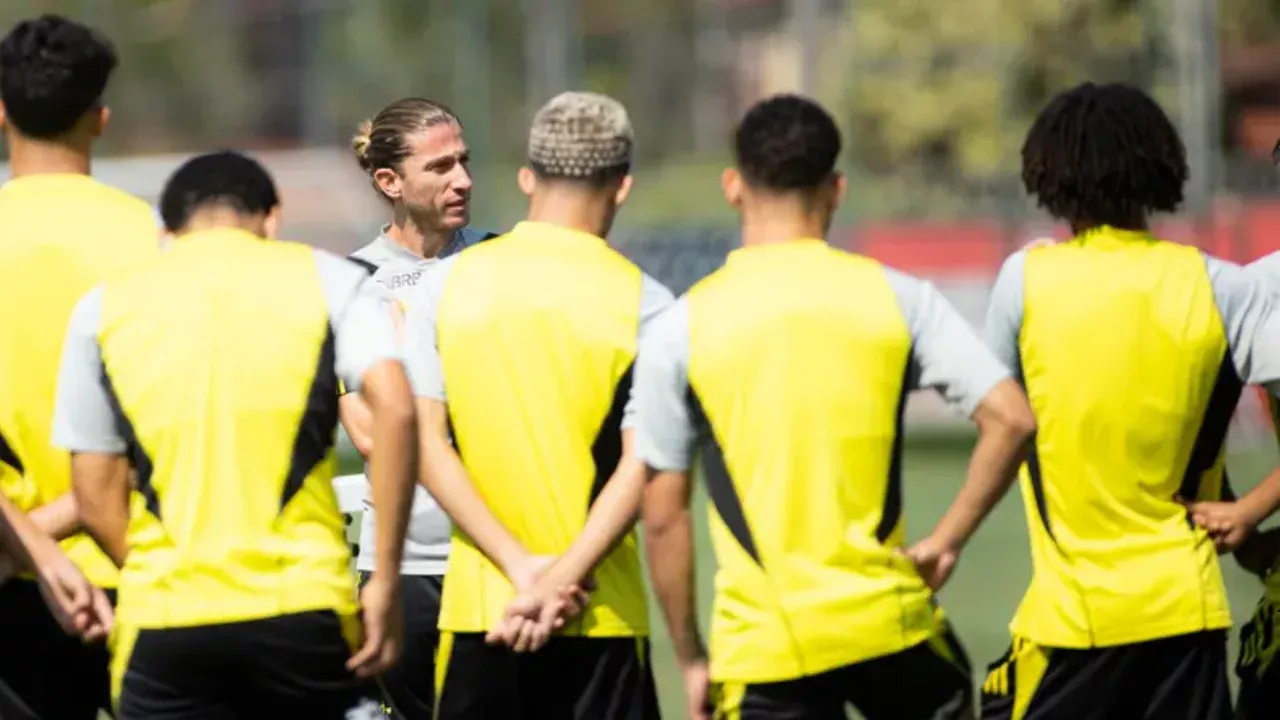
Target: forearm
(393, 472)
(60, 519)
(1259, 503)
(17, 533)
(357, 421)
(992, 469)
(447, 481)
(611, 517)
(101, 486)
(669, 547)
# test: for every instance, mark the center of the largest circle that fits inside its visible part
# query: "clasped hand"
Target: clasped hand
(539, 608)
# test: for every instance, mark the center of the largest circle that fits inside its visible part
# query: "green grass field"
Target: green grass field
(994, 570)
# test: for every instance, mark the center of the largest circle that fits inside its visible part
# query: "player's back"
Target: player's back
(60, 234)
(1125, 352)
(537, 332)
(798, 367)
(219, 356)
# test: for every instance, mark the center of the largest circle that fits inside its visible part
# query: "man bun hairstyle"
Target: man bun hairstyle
(383, 141)
(787, 143)
(52, 71)
(1104, 155)
(219, 179)
(581, 137)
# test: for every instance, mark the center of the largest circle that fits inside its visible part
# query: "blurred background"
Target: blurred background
(934, 98)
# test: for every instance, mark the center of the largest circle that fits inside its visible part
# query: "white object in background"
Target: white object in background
(351, 491)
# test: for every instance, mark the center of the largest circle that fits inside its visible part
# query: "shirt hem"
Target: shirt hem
(1218, 621)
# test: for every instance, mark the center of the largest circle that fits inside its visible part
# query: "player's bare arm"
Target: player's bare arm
(668, 539)
(357, 420)
(393, 470)
(79, 608)
(101, 483)
(60, 518)
(1005, 424)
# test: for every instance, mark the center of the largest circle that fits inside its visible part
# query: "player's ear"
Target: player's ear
(101, 116)
(624, 189)
(388, 181)
(271, 224)
(4, 117)
(731, 183)
(527, 180)
(837, 186)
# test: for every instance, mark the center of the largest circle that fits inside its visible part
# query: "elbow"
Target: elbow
(1021, 423)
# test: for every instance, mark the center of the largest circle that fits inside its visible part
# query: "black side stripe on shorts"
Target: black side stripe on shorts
(891, 515)
(8, 456)
(607, 448)
(137, 455)
(1213, 428)
(317, 431)
(719, 483)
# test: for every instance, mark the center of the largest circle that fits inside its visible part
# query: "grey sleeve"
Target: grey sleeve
(654, 298)
(422, 354)
(83, 419)
(664, 429)
(1249, 320)
(1004, 311)
(360, 315)
(946, 353)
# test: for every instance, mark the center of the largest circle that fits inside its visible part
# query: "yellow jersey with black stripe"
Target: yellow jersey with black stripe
(1133, 352)
(214, 369)
(530, 339)
(62, 234)
(789, 368)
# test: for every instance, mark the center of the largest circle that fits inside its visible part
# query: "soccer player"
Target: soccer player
(795, 397)
(63, 232)
(1133, 351)
(211, 374)
(414, 153)
(523, 347)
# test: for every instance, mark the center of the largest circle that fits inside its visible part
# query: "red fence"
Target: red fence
(1236, 231)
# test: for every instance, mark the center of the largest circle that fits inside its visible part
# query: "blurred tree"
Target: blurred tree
(949, 88)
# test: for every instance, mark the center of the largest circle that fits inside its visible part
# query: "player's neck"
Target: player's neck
(573, 210)
(762, 226)
(34, 157)
(410, 235)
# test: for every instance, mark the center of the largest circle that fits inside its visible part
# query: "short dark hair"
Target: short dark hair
(1104, 155)
(223, 178)
(787, 143)
(52, 71)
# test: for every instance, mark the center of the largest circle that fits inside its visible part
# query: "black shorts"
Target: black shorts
(283, 667)
(1184, 676)
(931, 681)
(410, 688)
(49, 661)
(571, 678)
(1258, 666)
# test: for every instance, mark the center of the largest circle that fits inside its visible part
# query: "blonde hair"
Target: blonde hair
(383, 141)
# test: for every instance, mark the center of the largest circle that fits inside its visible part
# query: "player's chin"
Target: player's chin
(456, 216)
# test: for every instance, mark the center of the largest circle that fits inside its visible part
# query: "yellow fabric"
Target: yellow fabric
(214, 377)
(1121, 349)
(797, 357)
(1019, 674)
(444, 653)
(123, 638)
(726, 698)
(62, 234)
(536, 330)
(1259, 640)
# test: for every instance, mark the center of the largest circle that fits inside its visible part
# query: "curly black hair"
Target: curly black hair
(52, 71)
(787, 143)
(218, 179)
(1104, 155)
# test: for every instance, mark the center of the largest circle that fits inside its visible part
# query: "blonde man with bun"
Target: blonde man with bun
(417, 161)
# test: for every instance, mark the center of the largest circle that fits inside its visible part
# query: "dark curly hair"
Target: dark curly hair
(52, 71)
(1104, 155)
(218, 179)
(787, 143)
